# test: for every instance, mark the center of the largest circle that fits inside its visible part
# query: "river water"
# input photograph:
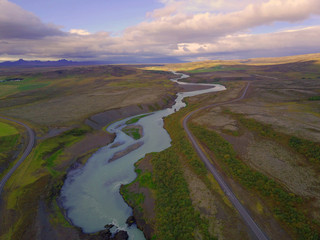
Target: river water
(91, 194)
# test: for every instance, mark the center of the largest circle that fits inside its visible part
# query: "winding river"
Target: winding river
(91, 194)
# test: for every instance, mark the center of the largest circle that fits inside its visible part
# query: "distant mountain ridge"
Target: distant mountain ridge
(64, 62)
(37, 63)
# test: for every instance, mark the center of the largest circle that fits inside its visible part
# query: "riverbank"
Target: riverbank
(100, 179)
(38, 212)
(103, 119)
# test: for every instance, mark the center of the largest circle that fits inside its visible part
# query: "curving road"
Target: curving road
(243, 212)
(31, 136)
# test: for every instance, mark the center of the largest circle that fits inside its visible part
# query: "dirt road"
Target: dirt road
(241, 209)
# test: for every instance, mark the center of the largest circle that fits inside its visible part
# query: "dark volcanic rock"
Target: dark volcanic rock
(131, 220)
(146, 228)
(121, 235)
(108, 226)
(105, 234)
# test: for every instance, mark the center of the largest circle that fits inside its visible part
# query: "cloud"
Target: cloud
(296, 41)
(201, 27)
(196, 6)
(15, 22)
(178, 29)
(79, 31)
(101, 46)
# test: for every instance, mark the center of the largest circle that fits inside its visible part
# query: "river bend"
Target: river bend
(91, 194)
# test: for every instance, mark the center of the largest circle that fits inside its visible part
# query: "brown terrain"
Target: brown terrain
(85, 99)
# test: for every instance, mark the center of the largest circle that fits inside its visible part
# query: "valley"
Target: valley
(266, 146)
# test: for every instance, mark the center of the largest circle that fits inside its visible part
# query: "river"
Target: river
(91, 194)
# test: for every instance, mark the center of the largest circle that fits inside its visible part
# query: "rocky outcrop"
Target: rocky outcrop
(107, 235)
(146, 228)
(121, 235)
(131, 220)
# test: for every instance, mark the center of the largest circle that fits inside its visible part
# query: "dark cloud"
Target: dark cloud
(15, 22)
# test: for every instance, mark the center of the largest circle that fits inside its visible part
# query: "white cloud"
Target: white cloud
(298, 41)
(79, 32)
(204, 26)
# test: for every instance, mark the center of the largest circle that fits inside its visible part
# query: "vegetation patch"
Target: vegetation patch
(38, 178)
(144, 179)
(32, 86)
(310, 150)
(217, 69)
(314, 98)
(7, 130)
(8, 146)
(136, 119)
(176, 217)
(182, 145)
(285, 205)
(133, 131)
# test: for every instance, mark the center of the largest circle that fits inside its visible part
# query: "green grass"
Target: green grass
(32, 86)
(132, 132)
(10, 140)
(7, 130)
(136, 119)
(285, 205)
(182, 145)
(135, 200)
(40, 176)
(8, 145)
(28, 83)
(57, 218)
(176, 217)
(217, 69)
(315, 98)
(309, 149)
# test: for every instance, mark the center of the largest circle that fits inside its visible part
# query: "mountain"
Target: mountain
(37, 63)
(64, 62)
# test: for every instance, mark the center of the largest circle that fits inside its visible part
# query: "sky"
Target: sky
(157, 30)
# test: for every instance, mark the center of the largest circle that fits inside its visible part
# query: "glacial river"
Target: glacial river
(91, 194)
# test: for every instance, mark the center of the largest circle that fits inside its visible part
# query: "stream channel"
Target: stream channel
(91, 195)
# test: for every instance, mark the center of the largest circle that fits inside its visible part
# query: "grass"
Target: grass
(217, 69)
(315, 98)
(37, 178)
(309, 149)
(7, 130)
(8, 145)
(69, 95)
(144, 179)
(28, 83)
(286, 206)
(34, 86)
(136, 119)
(132, 132)
(11, 137)
(176, 216)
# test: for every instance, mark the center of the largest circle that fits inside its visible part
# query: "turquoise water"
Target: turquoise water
(91, 194)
